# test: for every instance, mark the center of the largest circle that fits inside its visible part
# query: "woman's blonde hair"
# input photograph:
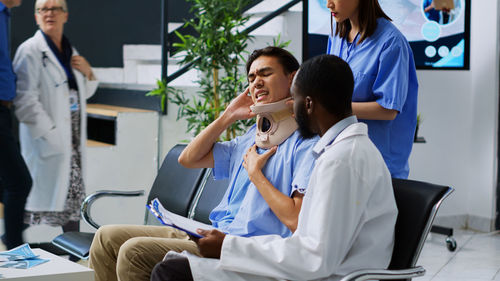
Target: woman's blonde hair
(39, 3)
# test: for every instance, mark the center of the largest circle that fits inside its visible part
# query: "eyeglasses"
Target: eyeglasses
(55, 10)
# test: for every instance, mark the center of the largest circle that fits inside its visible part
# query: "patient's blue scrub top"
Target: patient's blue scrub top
(384, 71)
(243, 211)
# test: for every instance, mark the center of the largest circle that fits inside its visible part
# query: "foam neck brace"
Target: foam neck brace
(274, 123)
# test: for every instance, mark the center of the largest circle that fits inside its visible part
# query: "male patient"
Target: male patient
(260, 199)
(348, 214)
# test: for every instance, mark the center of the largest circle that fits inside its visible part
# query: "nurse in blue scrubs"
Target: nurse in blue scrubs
(386, 86)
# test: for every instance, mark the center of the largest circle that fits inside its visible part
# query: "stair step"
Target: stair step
(142, 52)
(268, 6)
(271, 28)
(142, 63)
(174, 25)
(108, 74)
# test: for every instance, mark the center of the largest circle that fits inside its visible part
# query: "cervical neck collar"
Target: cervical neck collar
(274, 123)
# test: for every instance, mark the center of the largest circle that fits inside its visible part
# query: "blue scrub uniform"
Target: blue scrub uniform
(384, 71)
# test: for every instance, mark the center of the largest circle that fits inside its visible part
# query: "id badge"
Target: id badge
(73, 100)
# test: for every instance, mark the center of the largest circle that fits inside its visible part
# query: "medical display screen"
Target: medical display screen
(438, 30)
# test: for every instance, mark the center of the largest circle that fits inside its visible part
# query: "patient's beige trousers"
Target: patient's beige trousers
(129, 252)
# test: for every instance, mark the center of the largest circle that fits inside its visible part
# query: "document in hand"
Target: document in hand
(176, 221)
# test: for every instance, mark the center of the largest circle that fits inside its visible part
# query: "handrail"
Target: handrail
(272, 15)
(249, 29)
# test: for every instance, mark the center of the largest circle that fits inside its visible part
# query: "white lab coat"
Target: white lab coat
(346, 222)
(43, 108)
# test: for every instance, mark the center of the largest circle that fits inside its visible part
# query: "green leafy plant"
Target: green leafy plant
(163, 91)
(419, 119)
(219, 43)
(419, 122)
(278, 43)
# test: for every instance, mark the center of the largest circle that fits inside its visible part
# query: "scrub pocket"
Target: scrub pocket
(363, 87)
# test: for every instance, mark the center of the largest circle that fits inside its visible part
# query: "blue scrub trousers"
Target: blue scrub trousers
(15, 181)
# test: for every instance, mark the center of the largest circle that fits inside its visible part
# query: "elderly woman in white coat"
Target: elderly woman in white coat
(53, 83)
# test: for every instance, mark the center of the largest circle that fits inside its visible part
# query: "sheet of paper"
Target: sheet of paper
(20, 257)
(180, 222)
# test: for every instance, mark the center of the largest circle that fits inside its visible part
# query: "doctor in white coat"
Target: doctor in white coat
(348, 214)
(53, 83)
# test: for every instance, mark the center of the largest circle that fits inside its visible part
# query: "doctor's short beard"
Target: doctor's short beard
(303, 122)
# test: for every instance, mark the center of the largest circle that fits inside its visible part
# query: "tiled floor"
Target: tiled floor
(477, 257)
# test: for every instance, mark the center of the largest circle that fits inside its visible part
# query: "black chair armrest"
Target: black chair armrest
(75, 243)
(384, 274)
(89, 200)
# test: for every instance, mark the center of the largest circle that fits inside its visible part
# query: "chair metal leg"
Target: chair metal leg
(451, 243)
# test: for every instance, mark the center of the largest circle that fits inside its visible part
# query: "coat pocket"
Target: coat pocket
(50, 144)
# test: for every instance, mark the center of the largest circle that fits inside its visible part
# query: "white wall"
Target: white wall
(460, 112)
(130, 165)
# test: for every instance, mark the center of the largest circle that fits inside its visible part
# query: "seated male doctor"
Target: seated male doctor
(268, 170)
(348, 214)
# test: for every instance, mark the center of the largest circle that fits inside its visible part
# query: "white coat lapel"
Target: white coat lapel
(49, 60)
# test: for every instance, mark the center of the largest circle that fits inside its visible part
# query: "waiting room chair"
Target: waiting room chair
(174, 185)
(208, 196)
(418, 203)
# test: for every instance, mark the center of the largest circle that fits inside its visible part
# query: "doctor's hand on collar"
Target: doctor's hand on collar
(211, 244)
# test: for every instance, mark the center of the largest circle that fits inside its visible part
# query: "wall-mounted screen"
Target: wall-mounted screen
(438, 30)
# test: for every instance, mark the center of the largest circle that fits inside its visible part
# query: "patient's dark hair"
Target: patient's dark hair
(328, 80)
(285, 58)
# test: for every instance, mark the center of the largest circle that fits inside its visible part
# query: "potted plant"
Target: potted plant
(220, 45)
(419, 121)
